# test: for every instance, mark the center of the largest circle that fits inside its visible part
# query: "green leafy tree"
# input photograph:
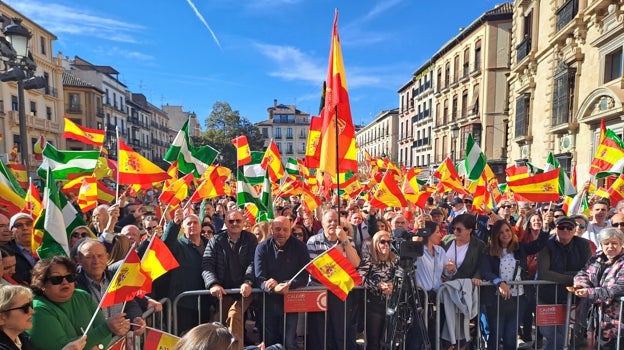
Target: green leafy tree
(225, 124)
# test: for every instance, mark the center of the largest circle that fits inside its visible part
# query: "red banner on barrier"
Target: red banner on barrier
(305, 301)
(550, 315)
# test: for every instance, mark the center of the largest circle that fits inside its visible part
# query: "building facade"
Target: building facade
(288, 127)
(177, 118)
(139, 118)
(83, 105)
(161, 135)
(43, 107)
(566, 76)
(380, 138)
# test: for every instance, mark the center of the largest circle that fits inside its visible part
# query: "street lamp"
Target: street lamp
(20, 67)
(454, 133)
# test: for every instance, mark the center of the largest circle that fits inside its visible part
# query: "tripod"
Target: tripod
(403, 309)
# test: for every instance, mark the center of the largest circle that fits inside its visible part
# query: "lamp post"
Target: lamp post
(19, 67)
(454, 133)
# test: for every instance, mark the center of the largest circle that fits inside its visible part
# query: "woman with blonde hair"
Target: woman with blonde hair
(261, 231)
(377, 272)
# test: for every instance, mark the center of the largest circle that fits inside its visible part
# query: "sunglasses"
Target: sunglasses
(383, 241)
(617, 224)
(150, 228)
(234, 221)
(56, 280)
(557, 216)
(25, 308)
(80, 234)
(565, 227)
(506, 206)
(549, 210)
(207, 232)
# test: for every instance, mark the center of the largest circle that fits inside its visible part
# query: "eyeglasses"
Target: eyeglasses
(617, 224)
(80, 234)
(207, 232)
(557, 216)
(56, 280)
(25, 308)
(150, 228)
(549, 210)
(383, 241)
(506, 206)
(234, 221)
(565, 227)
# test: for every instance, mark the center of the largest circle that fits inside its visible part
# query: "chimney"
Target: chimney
(275, 102)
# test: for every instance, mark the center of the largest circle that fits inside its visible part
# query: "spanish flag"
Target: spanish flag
(388, 194)
(129, 281)
(158, 340)
(136, 169)
(449, 178)
(88, 194)
(243, 152)
(158, 259)
(177, 191)
(314, 138)
(273, 160)
(616, 191)
(335, 272)
(86, 135)
(542, 187)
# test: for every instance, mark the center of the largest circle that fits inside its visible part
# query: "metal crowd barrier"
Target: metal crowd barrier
(153, 319)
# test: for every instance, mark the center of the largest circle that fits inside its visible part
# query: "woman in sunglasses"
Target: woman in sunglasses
(62, 312)
(15, 317)
(377, 272)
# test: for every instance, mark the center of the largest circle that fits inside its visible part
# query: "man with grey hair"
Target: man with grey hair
(133, 234)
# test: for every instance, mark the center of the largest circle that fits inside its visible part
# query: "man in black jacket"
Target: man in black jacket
(228, 263)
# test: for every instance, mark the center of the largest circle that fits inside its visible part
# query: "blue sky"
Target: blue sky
(250, 52)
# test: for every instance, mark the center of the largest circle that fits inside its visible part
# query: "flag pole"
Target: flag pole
(30, 207)
(311, 261)
(106, 292)
(117, 185)
(337, 160)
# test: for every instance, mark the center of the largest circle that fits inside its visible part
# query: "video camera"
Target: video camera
(404, 246)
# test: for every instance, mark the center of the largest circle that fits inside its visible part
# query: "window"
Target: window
(566, 13)
(48, 113)
(289, 148)
(114, 99)
(265, 132)
(464, 104)
(613, 65)
(522, 115)
(74, 103)
(17, 140)
(456, 68)
(524, 47)
(43, 44)
(14, 103)
(445, 112)
(466, 69)
(439, 79)
(33, 108)
(477, 56)
(454, 108)
(279, 146)
(46, 76)
(289, 133)
(277, 133)
(475, 99)
(563, 95)
(447, 74)
(302, 134)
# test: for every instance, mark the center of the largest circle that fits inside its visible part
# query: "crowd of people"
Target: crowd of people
(53, 303)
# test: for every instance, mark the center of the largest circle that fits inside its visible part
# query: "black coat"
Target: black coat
(217, 257)
(7, 344)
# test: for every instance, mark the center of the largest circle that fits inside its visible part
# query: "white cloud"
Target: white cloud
(60, 19)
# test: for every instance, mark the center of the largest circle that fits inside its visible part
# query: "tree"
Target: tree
(225, 124)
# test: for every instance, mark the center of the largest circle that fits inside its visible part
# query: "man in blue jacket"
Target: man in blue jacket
(277, 260)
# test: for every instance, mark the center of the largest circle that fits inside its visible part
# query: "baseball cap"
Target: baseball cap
(565, 220)
(18, 216)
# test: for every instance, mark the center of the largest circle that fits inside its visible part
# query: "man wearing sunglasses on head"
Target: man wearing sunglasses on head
(228, 264)
(564, 255)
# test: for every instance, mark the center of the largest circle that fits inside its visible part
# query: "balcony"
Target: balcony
(35, 123)
(73, 109)
(566, 13)
(523, 49)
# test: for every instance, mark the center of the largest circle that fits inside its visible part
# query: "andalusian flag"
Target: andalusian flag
(58, 219)
(335, 272)
(337, 141)
(292, 167)
(158, 259)
(254, 172)
(158, 340)
(265, 212)
(129, 281)
(83, 134)
(190, 159)
(136, 169)
(63, 163)
(542, 187)
(272, 162)
(475, 159)
(243, 153)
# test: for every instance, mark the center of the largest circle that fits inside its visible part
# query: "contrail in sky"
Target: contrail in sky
(201, 18)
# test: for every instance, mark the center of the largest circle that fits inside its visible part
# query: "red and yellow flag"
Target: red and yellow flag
(158, 259)
(388, 194)
(130, 280)
(19, 171)
(542, 187)
(214, 184)
(273, 160)
(243, 152)
(610, 150)
(335, 272)
(157, 340)
(616, 191)
(88, 193)
(136, 169)
(309, 199)
(83, 134)
(177, 191)
(337, 141)
(33, 205)
(449, 178)
(105, 194)
(38, 147)
(515, 172)
(10, 202)
(312, 146)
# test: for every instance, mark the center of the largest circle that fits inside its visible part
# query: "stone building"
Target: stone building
(288, 127)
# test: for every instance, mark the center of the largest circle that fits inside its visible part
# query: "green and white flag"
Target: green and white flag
(63, 163)
(265, 213)
(292, 167)
(253, 170)
(190, 159)
(8, 179)
(57, 221)
(565, 185)
(475, 161)
(248, 176)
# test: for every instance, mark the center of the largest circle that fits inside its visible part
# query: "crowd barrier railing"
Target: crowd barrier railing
(158, 320)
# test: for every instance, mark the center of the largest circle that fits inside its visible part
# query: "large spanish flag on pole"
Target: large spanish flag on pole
(335, 272)
(85, 135)
(338, 150)
(542, 187)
